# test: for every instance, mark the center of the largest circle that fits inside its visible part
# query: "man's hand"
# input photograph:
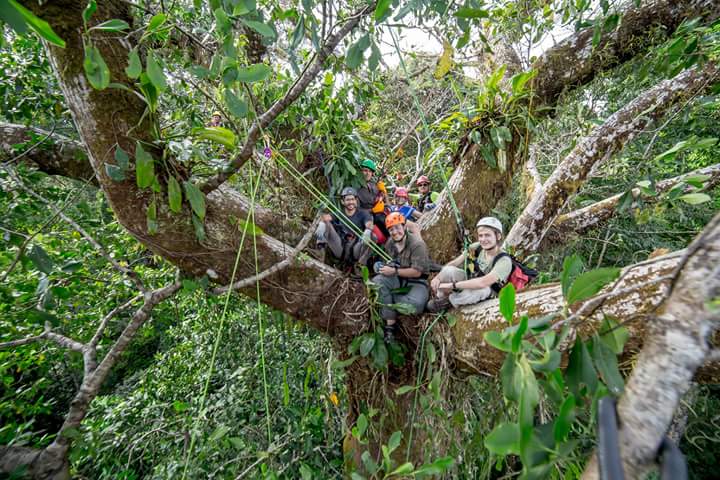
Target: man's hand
(435, 283)
(387, 271)
(326, 217)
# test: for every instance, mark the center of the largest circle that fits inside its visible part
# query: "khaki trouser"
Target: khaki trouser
(352, 251)
(465, 296)
(417, 297)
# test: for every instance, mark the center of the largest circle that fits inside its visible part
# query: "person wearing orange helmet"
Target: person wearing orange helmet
(409, 268)
(401, 203)
(427, 198)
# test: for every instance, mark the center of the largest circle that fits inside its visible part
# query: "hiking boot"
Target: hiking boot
(437, 305)
(389, 333)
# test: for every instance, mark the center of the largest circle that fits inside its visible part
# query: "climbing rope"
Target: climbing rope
(221, 325)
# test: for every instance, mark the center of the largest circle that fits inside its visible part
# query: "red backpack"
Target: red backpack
(520, 275)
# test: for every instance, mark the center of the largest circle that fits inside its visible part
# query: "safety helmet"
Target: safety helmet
(401, 192)
(369, 164)
(348, 191)
(422, 179)
(491, 222)
(217, 113)
(395, 218)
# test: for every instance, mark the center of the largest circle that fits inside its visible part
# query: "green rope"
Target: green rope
(261, 332)
(222, 322)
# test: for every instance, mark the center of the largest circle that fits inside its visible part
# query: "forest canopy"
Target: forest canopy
(167, 313)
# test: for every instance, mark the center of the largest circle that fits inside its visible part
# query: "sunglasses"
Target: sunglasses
(423, 184)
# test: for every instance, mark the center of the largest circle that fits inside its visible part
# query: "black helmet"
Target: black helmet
(348, 191)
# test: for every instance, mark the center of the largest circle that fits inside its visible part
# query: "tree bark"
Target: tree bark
(606, 140)
(583, 219)
(677, 346)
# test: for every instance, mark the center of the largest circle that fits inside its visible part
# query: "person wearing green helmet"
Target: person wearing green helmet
(486, 269)
(341, 236)
(372, 196)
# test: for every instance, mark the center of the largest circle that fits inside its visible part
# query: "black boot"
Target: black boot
(389, 333)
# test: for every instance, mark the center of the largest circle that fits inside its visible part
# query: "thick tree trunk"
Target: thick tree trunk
(583, 219)
(606, 140)
(677, 346)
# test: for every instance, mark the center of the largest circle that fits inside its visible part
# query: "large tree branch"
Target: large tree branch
(581, 220)
(606, 140)
(279, 106)
(58, 155)
(675, 349)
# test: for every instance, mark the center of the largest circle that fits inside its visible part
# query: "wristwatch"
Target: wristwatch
(396, 269)
(454, 285)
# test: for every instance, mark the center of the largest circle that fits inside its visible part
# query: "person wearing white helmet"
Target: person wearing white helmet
(343, 241)
(470, 277)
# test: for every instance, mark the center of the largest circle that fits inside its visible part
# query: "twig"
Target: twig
(275, 268)
(278, 107)
(103, 324)
(32, 147)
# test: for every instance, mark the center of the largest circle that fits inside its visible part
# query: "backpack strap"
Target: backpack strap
(497, 286)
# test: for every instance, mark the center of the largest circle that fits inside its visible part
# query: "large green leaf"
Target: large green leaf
(144, 167)
(606, 363)
(196, 199)
(114, 25)
(507, 301)
(498, 340)
(504, 439)
(217, 134)
(134, 68)
(12, 17)
(614, 335)
(39, 257)
(261, 28)
(253, 73)
(354, 55)
(174, 195)
(367, 344)
(382, 10)
(394, 441)
(580, 373)
(151, 216)
(590, 283)
(96, 70)
(565, 418)
(695, 198)
(237, 106)
(155, 73)
(40, 26)
(572, 266)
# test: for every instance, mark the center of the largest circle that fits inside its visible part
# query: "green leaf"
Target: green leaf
(695, 198)
(394, 441)
(381, 10)
(155, 22)
(155, 73)
(590, 283)
(219, 433)
(548, 363)
(199, 228)
(519, 80)
(367, 344)
(144, 167)
(174, 195)
(89, 11)
(134, 68)
(40, 26)
(354, 55)
(504, 439)
(254, 73)
(517, 338)
(114, 25)
(404, 389)
(374, 59)
(219, 135)
(404, 469)
(151, 216)
(497, 340)
(362, 425)
(115, 173)
(96, 70)
(196, 199)
(237, 106)
(467, 12)
(40, 259)
(380, 355)
(580, 371)
(606, 363)
(261, 28)
(565, 418)
(438, 467)
(12, 17)
(298, 33)
(344, 363)
(572, 266)
(507, 301)
(614, 335)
